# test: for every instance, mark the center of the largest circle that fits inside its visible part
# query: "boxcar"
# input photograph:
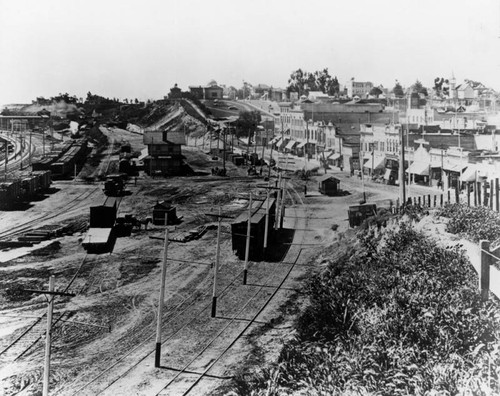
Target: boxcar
(257, 230)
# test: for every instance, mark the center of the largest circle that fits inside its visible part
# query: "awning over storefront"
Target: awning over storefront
(334, 156)
(277, 142)
(367, 156)
(452, 167)
(470, 174)
(283, 143)
(290, 144)
(418, 168)
(301, 144)
(274, 139)
(375, 163)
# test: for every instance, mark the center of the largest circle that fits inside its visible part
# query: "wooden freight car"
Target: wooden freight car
(100, 235)
(257, 230)
(10, 193)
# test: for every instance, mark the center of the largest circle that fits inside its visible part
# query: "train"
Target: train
(257, 228)
(62, 162)
(71, 161)
(101, 233)
(47, 160)
(23, 188)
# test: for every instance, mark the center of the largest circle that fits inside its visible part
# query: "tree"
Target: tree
(398, 90)
(247, 122)
(441, 87)
(375, 91)
(303, 82)
(419, 88)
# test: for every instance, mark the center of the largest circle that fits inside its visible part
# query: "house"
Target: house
(164, 152)
(175, 93)
(358, 88)
(328, 185)
(210, 91)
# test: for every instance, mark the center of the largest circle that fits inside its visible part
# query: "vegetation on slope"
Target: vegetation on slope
(475, 223)
(397, 315)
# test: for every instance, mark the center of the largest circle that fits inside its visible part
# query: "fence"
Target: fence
(480, 193)
(488, 256)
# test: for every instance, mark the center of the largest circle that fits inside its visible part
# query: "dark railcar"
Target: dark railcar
(257, 230)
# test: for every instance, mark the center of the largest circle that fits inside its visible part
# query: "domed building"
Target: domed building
(210, 91)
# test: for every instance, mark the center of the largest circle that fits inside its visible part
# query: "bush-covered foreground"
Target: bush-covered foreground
(396, 316)
(475, 223)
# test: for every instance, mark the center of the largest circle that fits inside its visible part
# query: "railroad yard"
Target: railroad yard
(103, 336)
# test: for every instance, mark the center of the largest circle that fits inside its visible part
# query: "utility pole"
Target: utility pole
(276, 217)
(266, 226)
(6, 158)
(224, 151)
(220, 216)
(402, 189)
(247, 245)
(161, 298)
(216, 267)
(282, 202)
(50, 308)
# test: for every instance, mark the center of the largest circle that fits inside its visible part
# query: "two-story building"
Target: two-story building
(164, 152)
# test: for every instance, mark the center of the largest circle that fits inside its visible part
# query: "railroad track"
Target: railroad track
(73, 203)
(138, 355)
(30, 337)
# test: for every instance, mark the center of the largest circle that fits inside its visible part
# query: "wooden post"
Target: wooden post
(497, 189)
(247, 245)
(474, 184)
(435, 200)
(468, 193)
(478, 184)
(48, 340)
(457, 193)
(492, 186)
(441, 200)
(216, 267)
(484, 280)
(485, 190)
(429, 200)
(419, 200)
(449, 196)
(397, 205)
(161, 297)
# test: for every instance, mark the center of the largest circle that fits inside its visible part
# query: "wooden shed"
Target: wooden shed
(162, 209)
(329, 185)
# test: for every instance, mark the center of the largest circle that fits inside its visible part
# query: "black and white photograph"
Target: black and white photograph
(249, 198)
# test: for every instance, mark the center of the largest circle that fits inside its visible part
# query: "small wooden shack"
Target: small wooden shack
(329, 185)
(162, 209)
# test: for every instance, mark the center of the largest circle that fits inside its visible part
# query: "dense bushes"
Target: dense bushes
(398, 316)
(474, 222)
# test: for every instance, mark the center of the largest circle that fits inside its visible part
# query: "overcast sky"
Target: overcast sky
(141, 48)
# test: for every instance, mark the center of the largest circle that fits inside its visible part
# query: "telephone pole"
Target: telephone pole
(219, 216)
(161, 298)
(247, 245)
(48, 340)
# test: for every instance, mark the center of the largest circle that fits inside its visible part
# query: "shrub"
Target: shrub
(398, 316)
(475, 223)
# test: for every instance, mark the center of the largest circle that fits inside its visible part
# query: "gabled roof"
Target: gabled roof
(157, 137)
(328, 177)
